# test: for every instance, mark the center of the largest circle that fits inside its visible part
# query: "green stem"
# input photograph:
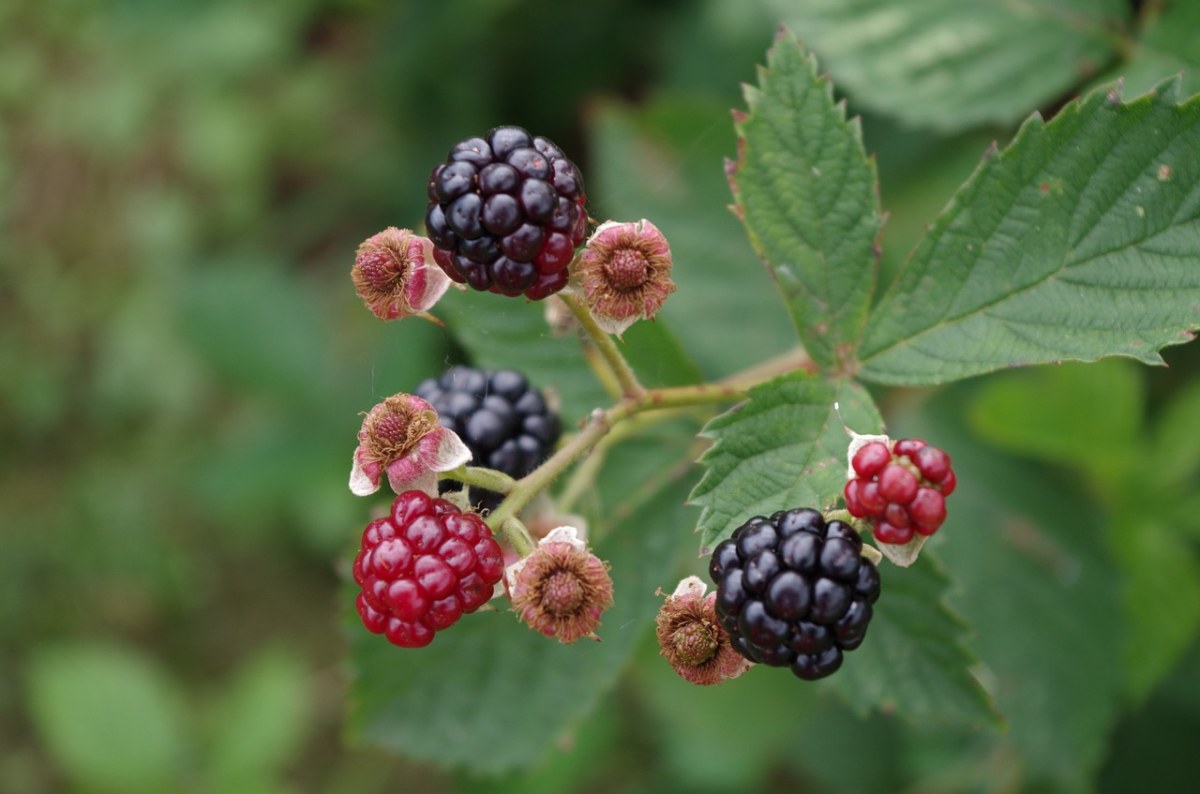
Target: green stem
(516, 536)
(630, 387)
(489, 479)
(795, 359)
(598, 425)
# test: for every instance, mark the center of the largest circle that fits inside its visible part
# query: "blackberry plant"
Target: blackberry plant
(1077, 241)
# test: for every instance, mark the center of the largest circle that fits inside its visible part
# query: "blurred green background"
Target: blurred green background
(183, 361)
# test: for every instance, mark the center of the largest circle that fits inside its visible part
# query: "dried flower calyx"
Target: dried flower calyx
(561, 589)
(395, 275)
(401, 437)
(691, 638)
(625, 273)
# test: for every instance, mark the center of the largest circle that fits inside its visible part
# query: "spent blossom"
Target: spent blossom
(691, 638)
(625, 273)
(401, 437)
(395, 275)
(561, 588)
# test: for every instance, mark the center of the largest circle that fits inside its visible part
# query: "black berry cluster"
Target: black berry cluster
(504, 421)
(794, 591)
(506, 213)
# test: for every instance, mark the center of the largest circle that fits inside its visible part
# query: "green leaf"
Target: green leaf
(108, 716)
(260, 721)
(1054, 413)
(1161, 597)
(785, 447)
(258, 327)
(1034, 580)
(1076, 242)
(950, 64)
(1169, 44)
(508, 333)
(663, 161)
(1175, 452)
(809, 199)
(913, 661)
(491, 695)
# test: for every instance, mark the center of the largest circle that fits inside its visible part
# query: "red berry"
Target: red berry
(422, 568)
(871, 459)
(374, 620)
(908, 446)
(901, 492)
(852, 502)
(933, 464)
(897, 484)
(408, 635)
(928, 510)
(896, 515)
(886, 533)
(871, 499)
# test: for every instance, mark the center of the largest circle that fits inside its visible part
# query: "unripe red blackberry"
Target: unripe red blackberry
(794, 591)
(422, 568)
(506, 213)
(901, 490)
(504, 421)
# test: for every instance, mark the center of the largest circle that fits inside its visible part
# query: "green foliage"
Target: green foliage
(117, 721)
(1072, 243)
(182, 187)
(948, 64)
(652, 162)
(916, 664)
(492, 695)
(808, 197)
(1042, 597)
(783, 448)
(112, 718)
(1054, 415)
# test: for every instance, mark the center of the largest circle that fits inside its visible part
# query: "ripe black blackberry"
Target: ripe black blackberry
(793, 591)
(504, 421)
(506, 213)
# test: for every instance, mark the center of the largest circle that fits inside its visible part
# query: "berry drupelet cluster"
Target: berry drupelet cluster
(794, 591)
(503, 420)
(901, 490)
(506, 213)
(422, 568)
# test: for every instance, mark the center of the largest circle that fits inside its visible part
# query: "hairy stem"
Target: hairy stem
(630, 387)
(598, 425)
(516, 536)
(489, 479)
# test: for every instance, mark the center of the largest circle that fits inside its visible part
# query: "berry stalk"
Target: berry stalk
(628, 381)
(598, 425)
(489, 479)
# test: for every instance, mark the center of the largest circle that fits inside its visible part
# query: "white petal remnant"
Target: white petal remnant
(395, 275)
(401, 437)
